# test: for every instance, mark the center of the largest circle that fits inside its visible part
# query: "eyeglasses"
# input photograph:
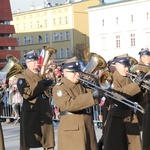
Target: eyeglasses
(32, 60)
(73, 71)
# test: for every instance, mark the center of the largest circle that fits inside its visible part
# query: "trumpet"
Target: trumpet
(133, 105)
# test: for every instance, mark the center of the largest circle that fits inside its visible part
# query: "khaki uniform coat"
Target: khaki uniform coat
(2, 147)
(76, 131)
(143, 104)
(36, 127)
(146, 125)
(146, 116)
(121, 126)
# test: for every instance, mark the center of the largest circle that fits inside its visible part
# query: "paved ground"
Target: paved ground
(11, 136)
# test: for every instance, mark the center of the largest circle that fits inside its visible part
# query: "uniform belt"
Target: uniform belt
(71, 113)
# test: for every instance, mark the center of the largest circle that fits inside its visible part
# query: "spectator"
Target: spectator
(16, 100)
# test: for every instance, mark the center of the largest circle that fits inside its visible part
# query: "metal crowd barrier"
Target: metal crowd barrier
(7, 113)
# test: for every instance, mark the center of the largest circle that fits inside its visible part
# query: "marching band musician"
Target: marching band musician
(105, 106)
(36, 127)
(144, 63)
(76, 129)
(121, 126)
(143, 67)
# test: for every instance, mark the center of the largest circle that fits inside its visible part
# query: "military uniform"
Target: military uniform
(143, 104)
(76, 129)
(36, 126)
(121, 126)
(146, 95)
(146, 125)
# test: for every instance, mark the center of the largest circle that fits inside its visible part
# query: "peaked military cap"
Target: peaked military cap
(144, 52)
(72, 64)
(110, 62)
(31, 55)
(122, 59)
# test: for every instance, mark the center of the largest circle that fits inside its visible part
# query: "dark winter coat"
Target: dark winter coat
(36, 127)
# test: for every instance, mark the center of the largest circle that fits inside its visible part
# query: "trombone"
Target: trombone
(97, 62)
(134, 105)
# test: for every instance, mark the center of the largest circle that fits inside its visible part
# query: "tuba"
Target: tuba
(96, 63)
(49, 51)
(12, 67)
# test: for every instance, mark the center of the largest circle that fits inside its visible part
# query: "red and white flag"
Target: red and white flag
(41, 58)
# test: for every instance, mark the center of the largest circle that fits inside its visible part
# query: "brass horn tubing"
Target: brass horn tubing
(144, 65)
(144, 81)
(111, 95)
(91, 75)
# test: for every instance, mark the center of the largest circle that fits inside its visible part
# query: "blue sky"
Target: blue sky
(24, 5)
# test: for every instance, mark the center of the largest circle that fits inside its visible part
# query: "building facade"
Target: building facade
(118, 28)
(7, 41)
(62, 27)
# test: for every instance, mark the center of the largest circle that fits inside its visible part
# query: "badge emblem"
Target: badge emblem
(20, 82)
(59, 93)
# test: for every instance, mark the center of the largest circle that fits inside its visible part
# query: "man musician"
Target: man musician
(36, 126)
(121, 126)
(76, 129)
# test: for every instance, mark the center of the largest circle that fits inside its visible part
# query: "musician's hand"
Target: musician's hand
(97, 94)
(47, 82)
(139, 78)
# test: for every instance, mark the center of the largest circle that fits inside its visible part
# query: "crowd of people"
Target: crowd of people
(71, 102)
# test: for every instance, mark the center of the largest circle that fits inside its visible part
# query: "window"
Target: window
(54, 21)
(66, 20)
(24, 26)
(31, 40)
(55, 56)
(103, 22)
(116, 20)
(67, 35)
(147, 16)
(59, 20)
(45, 23)
(60, 36)
(132, 39)
(46, 38)
(132, 19)
(39, 38)
(18, 40)
(39, 52)
(25, 40)
(6, 22)
(17, 27)
(38, 24)
(30, 25)
(55, 35)
(67, 52)
(117, 41)
(61, 53)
